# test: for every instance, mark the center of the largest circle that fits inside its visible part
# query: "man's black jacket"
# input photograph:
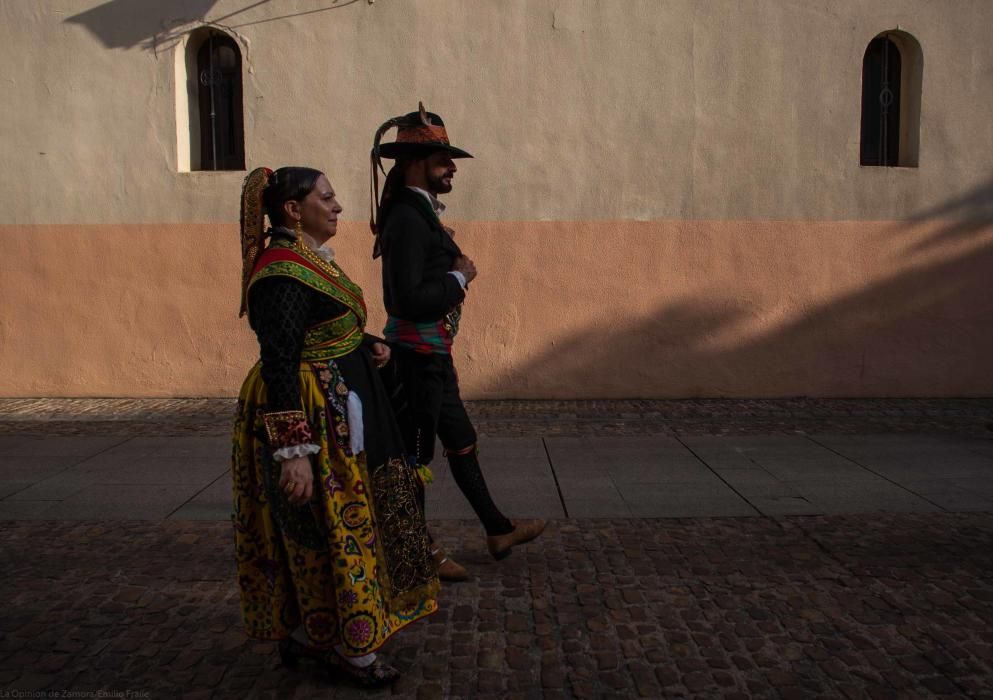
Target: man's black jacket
(417, 256)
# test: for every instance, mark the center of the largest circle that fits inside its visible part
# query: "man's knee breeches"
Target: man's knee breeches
(434, 407)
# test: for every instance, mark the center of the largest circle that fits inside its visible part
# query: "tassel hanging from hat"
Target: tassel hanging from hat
(376, 165)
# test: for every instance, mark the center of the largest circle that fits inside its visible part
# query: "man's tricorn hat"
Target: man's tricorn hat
(419, 134)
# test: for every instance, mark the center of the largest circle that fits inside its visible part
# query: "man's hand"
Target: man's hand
(296, 478)
(467, 267)
(380, 353)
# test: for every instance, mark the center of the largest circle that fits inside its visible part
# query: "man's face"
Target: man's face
(439, 169)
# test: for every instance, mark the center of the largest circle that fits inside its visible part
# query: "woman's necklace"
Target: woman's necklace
(324, 264)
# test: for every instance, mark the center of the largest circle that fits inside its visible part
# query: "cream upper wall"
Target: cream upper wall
(575, 109)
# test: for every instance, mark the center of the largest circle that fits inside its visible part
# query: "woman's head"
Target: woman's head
(302, 196)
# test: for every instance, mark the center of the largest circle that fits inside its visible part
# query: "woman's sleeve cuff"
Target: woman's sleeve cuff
(287, 428)
(284, 453)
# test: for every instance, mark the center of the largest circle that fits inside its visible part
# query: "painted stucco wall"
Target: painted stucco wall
(666, 198)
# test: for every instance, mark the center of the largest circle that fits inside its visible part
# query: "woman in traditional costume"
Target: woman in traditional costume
(331, 545)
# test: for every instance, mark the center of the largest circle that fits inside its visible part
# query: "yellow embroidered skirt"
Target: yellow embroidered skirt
(353, 566)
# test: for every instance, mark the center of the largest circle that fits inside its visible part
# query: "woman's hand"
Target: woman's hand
(380, 353)
(296, 478)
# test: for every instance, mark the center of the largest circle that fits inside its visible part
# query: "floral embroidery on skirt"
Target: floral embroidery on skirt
(354, 565)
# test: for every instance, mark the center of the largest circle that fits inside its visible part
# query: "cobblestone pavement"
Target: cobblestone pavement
(880, 606)
(535, 418)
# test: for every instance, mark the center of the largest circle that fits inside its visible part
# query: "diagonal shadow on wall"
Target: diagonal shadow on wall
(153, 24)
(125, 24)
(968, 215)
(924, 330)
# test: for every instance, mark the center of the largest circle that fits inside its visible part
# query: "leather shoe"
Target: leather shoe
(448, 568)
(524, 531)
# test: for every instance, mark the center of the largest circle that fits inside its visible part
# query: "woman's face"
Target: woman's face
(318, 211)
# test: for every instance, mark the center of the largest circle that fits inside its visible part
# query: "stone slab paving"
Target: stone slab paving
(553, 477)
(518, 474)
(211, 503)
(885, 606)
(60, 478)
(647, 476)
(783, 475)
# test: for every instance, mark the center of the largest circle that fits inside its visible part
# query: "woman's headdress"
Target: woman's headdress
(252, 227)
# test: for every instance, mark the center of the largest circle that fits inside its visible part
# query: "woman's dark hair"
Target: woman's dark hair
(287, 184)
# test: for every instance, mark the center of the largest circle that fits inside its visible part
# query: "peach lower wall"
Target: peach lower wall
(560, 309)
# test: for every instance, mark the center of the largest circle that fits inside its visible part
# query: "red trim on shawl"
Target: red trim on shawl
(273, 255)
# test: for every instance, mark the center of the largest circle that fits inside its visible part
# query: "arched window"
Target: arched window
(219, 102)
(891, 101)
(210, 132)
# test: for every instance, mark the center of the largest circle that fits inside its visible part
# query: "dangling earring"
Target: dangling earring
(298, 227)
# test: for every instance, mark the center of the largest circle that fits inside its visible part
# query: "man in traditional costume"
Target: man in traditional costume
(425, 280)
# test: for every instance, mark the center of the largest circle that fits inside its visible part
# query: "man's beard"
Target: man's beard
(437, 185)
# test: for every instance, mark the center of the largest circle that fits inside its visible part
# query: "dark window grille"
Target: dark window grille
(222, 136)
(881, 103)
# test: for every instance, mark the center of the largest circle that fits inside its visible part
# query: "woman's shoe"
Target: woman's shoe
(524, 531)
(375, 675)
(378, 674)
(448, 568)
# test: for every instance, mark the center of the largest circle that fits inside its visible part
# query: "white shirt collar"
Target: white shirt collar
(436, 204)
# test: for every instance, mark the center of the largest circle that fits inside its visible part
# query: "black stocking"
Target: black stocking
(469, 478)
